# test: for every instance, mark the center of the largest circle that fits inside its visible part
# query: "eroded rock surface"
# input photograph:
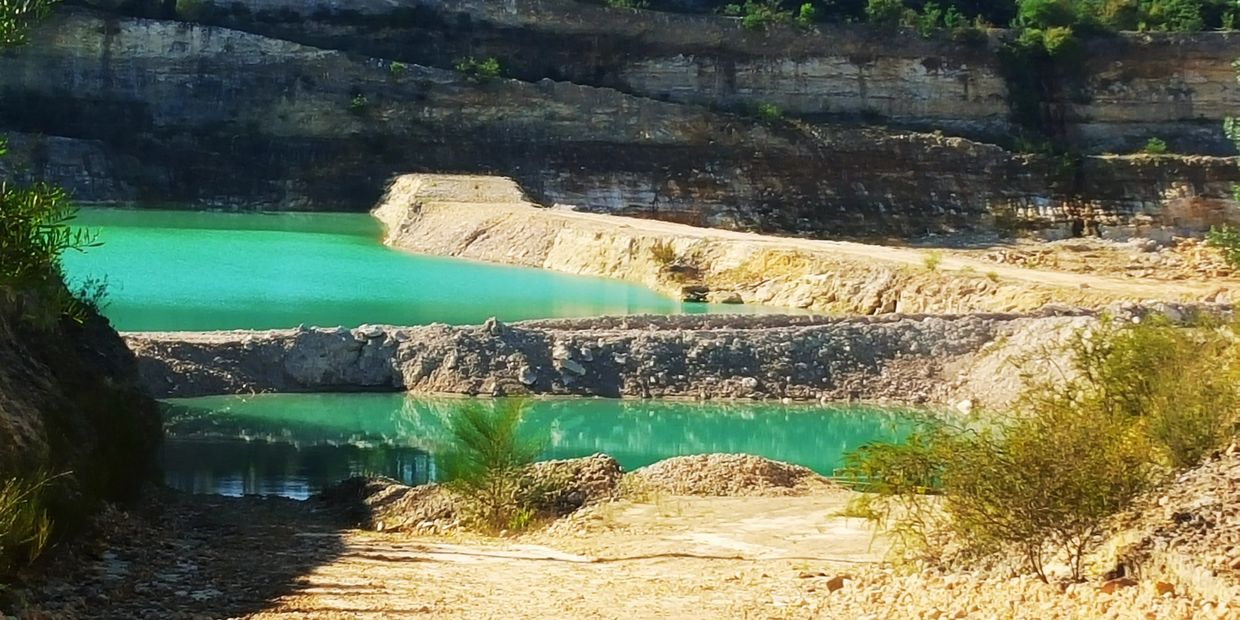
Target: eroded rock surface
(899, 358)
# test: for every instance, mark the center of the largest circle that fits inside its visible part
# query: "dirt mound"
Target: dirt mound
(387, 505)
(727, 475)
(1188, 532)
(569, 484)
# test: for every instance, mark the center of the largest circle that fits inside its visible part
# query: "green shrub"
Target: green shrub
(484, 461)
(1155, 146)
(16, 18)
(1226, 239)
(768, 112)
(1136, 400)
(807, 14)
(359, 104)
(932, 260)
(397, 69)
(484, 69)
(758, 14)
(887, 12)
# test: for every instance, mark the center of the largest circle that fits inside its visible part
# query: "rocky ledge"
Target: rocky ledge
(902, 358)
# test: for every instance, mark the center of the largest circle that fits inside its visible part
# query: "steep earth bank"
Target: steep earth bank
(70, 404)
(907, 359)
(1128, 88)
(489, 219)
(168, 111)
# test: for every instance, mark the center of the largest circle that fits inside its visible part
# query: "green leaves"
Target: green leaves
(17, 17)
(35, 228)
(485, 460)
(1041, 480)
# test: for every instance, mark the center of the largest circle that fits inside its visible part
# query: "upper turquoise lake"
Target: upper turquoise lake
(192, 270)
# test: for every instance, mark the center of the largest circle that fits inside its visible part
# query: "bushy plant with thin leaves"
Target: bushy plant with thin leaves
(484, 461)
(1227, 240)
(25, 525)
(1135, 401)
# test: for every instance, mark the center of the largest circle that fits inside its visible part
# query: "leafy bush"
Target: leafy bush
(932, 260)
(484, 462)
(758, 14)
(359, 104)
(35, 230)
(1041, 483)
(16, 19)
(888, 12)
(1178, 384)
(807, 14)
(1155, 146)
(768, 112)
(484, 69)
(1227, 239)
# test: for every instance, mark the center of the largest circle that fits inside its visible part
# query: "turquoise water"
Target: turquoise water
(186, 270)
(294, 444)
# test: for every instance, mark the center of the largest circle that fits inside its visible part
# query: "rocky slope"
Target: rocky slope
(1187, 533)
(912, 359)
(173, 111)
(69, 402)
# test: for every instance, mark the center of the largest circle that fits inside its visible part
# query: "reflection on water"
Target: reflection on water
(238, 467)
(294, 444)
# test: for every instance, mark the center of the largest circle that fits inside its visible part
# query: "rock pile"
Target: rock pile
(1188, 533)
(383, 504)
(727, 475)
(569, 484)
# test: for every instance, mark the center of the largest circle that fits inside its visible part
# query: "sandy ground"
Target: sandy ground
(676, 557)
(193, 557)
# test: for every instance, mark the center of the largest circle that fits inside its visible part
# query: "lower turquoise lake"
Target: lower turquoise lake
(295, 444)
(191, 271)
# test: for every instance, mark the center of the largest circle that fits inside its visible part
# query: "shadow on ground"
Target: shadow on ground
(187, 556)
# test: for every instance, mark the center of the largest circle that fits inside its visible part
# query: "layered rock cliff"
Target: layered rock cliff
(174, 111)
(1129, 87)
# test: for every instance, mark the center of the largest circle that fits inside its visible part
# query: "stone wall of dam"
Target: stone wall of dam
(903, 359)
(216, 111)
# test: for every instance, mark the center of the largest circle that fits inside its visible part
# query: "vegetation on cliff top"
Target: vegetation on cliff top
(1085, 15)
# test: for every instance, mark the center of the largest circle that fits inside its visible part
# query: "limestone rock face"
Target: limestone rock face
(1130, 87)
(275, 108)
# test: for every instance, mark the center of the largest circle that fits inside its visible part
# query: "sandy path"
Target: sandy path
(889, 254)
(673, 558)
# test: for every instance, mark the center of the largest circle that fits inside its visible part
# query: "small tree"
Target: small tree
(484, 461)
